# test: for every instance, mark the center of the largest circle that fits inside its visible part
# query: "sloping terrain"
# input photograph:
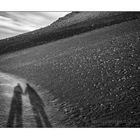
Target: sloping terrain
(72, 24)
(88, 80)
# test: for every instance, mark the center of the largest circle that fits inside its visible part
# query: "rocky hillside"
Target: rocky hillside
(72, 24)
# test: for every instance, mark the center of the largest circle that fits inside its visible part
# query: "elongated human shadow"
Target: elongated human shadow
(37, 107)
(15, 113)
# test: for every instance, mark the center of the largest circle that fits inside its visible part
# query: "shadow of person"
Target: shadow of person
(16, 108)
(37, 107)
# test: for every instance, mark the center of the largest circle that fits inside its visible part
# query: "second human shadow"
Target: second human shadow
(15, 113)
(37, 107)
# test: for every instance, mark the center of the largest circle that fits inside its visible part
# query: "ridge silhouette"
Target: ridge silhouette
(15, 113)
(37, 107)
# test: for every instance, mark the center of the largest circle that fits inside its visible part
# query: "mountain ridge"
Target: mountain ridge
(67, 26)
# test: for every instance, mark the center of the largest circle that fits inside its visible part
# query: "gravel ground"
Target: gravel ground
(89, 80)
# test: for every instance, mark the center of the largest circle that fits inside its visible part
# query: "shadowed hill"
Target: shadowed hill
(91, 79)
(72, 24)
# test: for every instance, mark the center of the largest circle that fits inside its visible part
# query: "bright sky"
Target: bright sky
(14, 23)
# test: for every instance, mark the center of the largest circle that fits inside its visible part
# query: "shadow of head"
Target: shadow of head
(18, 88)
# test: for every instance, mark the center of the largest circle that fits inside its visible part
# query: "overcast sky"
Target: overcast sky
(14, 23)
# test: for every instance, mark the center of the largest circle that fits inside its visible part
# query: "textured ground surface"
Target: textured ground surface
(88, 80)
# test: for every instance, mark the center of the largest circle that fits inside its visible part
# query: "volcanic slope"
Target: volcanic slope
(92, 78)
(72, 24)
